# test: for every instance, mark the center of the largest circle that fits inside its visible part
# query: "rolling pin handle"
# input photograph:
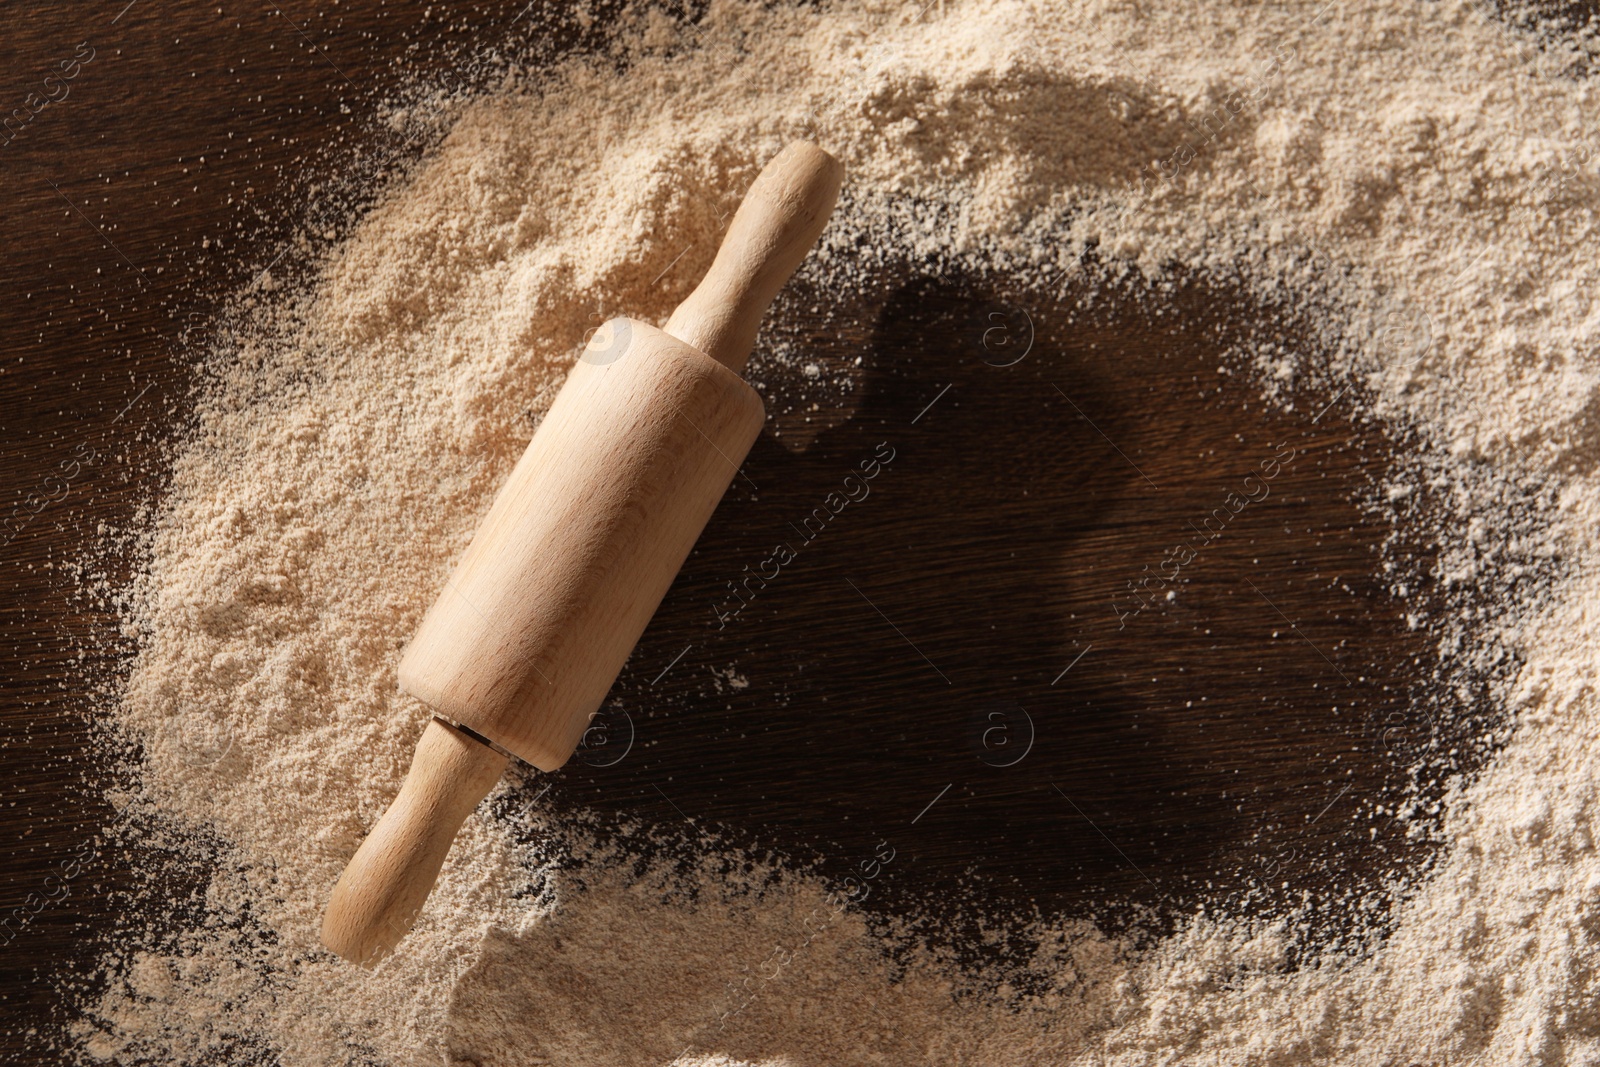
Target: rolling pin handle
(381, 892)
(774, 229)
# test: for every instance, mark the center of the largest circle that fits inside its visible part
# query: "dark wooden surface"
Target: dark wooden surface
(899, 681)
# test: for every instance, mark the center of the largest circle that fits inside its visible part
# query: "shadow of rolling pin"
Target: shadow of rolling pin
(579, 548)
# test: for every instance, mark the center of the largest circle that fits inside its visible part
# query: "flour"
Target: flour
(1419, 177)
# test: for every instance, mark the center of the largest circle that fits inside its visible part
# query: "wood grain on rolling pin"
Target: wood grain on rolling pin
(583, 541)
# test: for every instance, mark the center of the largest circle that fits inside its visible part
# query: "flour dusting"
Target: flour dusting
(1419, 180)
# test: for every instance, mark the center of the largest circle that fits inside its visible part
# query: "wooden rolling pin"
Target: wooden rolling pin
(578, 549)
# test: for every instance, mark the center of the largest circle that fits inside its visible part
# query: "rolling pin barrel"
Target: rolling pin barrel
(579, 548)
(583, 542)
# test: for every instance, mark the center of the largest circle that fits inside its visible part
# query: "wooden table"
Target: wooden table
(950, 667)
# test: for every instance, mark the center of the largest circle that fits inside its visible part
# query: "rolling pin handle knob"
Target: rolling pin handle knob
(381, 892)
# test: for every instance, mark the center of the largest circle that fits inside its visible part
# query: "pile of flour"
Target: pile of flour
(1419, 174)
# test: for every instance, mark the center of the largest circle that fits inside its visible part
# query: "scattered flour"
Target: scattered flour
(1422, 176)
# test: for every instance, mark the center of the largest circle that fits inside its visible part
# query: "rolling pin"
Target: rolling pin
(562, 576)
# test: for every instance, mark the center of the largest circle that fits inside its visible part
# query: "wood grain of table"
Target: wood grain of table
(942, 667)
